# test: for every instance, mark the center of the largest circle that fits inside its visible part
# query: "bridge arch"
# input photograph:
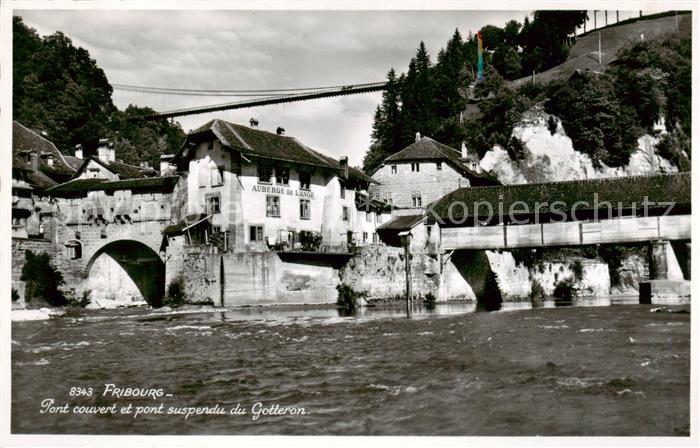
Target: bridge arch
(142, 263)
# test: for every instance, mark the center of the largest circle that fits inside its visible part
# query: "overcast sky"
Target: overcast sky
(263, 50)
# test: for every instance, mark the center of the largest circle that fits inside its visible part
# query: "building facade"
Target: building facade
(263, 190)
(425, 171)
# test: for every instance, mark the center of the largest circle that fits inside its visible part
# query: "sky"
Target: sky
(236, 50)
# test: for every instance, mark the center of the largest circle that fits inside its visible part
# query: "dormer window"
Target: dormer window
(304, 180)
(264, 174)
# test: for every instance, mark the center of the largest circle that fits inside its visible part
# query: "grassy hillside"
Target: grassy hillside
(584, 54)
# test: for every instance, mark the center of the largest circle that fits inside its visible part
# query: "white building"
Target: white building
(263, 190)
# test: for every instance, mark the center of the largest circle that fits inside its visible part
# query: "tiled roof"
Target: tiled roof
(259, 143)
(403, 222)
(255, 142)
(123, 170)
(25, 140)
(629, 191)
(428, 149)
(74, 162)
(80, 186)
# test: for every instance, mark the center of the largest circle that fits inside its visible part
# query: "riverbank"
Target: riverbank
(597, 371)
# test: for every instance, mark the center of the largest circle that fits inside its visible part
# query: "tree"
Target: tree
(507, 61)
(60, 89)
(418, 102)
(492, 36)
(450, 78)
(511, 32)
(386, 127)
(42, 279)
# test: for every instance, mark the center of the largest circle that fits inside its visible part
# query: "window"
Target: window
(264, 174)
(282, 175)
(416, 200)
(346, 214)
(438, 165)
(215, 229)
(415, 167)
(429, 229)
(304, 180)
(375, 238)
(74, 249)
(342, 190)
(379, 218)
(216, 174)
(210, 145)
(213, 203)
(393, 169)
(364, 237)
(273, 206)
(368, 216)
(305, 208)
(256, 234)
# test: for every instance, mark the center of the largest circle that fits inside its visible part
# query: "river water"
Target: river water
(600, 367)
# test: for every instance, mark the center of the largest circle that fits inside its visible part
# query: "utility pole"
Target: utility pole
(676, 22)
(606, 17)
(617, 13)
(595, 21)
(600, 56)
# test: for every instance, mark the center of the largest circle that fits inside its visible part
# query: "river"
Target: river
(616, 369)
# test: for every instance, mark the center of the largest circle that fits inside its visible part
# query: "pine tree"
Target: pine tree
(451, 79)
(418, 103)
(386, 128)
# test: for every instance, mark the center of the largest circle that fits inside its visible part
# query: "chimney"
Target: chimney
(344, 170)
(34, 158)
(105, 151)
(280, 131)
(417, 136)
(464, 150)
(165, 165)
(79, 151)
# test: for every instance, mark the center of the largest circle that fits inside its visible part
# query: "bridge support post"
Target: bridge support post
(658, 263)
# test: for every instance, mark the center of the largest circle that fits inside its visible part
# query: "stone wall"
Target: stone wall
(252, 278)
(379, 271)
(19, 246)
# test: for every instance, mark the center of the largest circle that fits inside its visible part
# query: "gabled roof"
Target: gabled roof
(428, 149)
(25, 140)
(74, 162)
(123, 170)
(255, 142)
(259, 143)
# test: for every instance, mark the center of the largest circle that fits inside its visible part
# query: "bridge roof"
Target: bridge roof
(79, 187)
(631, 192)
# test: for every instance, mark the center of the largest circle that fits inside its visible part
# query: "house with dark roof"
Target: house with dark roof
(37, 165)
(425, 171)
(263, 189)
(106, 166)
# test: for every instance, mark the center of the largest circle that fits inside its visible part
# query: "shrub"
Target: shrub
(537, 293)
(310, 241)
(429, 299)
(565, 289)
(15, 295)
(83, 302)
(42, 279)
(577, 269)
(347, 297)
(175, 296)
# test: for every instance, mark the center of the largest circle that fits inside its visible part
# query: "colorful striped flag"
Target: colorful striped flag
(480, 63)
